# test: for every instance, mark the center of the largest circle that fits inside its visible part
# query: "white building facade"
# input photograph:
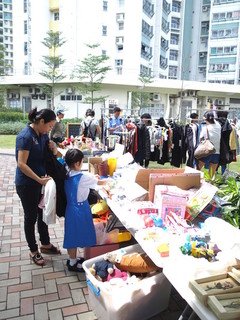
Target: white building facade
(165, 39)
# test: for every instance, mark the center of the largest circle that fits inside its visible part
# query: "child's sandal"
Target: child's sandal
(37, 259)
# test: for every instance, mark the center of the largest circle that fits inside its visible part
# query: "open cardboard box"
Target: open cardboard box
(183, 178)
(93, 161)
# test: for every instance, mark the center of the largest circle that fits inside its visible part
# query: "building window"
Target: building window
(204, 28)
(174, 38)
(56, 16)
(121, 3)
(7, 15)
(173, 55)
(119, 70)
(25, 26)
(25, 48)
(25, 68)
(104, 30)
(69, 97)
(24, 5)
(175, 23)
(172, 73)
(121, 26)
(118, 62)
(105, 5)
(176, 6)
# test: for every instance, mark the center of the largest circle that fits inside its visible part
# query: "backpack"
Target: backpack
(87, 132)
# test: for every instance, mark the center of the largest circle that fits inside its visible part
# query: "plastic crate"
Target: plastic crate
(138, 301)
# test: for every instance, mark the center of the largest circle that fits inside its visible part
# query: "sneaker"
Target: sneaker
(75, 268)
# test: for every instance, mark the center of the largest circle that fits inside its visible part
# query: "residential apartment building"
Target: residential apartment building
(196, 40)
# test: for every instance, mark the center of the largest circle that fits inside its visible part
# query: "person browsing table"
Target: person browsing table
(31, 176)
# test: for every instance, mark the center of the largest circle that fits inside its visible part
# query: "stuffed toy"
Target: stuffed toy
(117, 274)
(101, 269)
(133, 262)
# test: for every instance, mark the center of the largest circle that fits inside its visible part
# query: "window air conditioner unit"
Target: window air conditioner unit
(35, 96)
(119, 40)
(120, 17)
(42, 96)
(156, 97)
(183, 94)
(202, 55)
(190, 93)
(204, 9)
(219, 102)
(69, 90)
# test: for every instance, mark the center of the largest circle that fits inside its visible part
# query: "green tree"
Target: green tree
(140, 98)
(53, 41)
(3, 71)
(91, 72)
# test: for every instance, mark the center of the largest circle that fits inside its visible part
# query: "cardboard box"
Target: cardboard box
(135, 301)
(95, 251)
(142, 177)
(92, 161)
(184, 181)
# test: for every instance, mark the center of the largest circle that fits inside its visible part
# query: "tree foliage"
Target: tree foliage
(140, 98)
(53, 41)
(91, 72)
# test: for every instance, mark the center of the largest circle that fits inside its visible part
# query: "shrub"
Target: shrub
(10, 116)
(73, 120)
(11, 127)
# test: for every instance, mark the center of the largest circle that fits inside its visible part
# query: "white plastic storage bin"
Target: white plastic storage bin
(138, 301)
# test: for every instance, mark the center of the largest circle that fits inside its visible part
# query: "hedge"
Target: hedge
(11, 127)
(9, 116)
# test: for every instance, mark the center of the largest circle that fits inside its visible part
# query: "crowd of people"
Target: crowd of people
(45, 130)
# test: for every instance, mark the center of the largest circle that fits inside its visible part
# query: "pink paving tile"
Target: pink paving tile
(9, 259)
(46, 298)
(26, 306)
(20, 287)
(14, 272)
(78, 308)
(54, 275)
(64, 291)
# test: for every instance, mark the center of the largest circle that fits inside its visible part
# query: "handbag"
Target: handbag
(205, 148)
(93, 197)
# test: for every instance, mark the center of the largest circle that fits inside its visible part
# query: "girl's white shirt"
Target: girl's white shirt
(88, 181)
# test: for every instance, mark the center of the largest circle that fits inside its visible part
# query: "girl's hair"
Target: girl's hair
(209, 116)
(90, 113)
(47, 115)
(72, 156)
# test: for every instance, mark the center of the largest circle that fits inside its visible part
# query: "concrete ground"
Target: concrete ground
(29, 292)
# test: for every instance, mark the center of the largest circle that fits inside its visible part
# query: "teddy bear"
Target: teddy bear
(117, 274)
(101, 269)
(134, 263)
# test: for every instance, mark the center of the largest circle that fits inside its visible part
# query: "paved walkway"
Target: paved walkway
(28, 292)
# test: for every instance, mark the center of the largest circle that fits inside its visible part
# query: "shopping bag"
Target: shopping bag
(204, 149)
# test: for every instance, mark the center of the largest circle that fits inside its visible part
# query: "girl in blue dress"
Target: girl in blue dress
(79, 228)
